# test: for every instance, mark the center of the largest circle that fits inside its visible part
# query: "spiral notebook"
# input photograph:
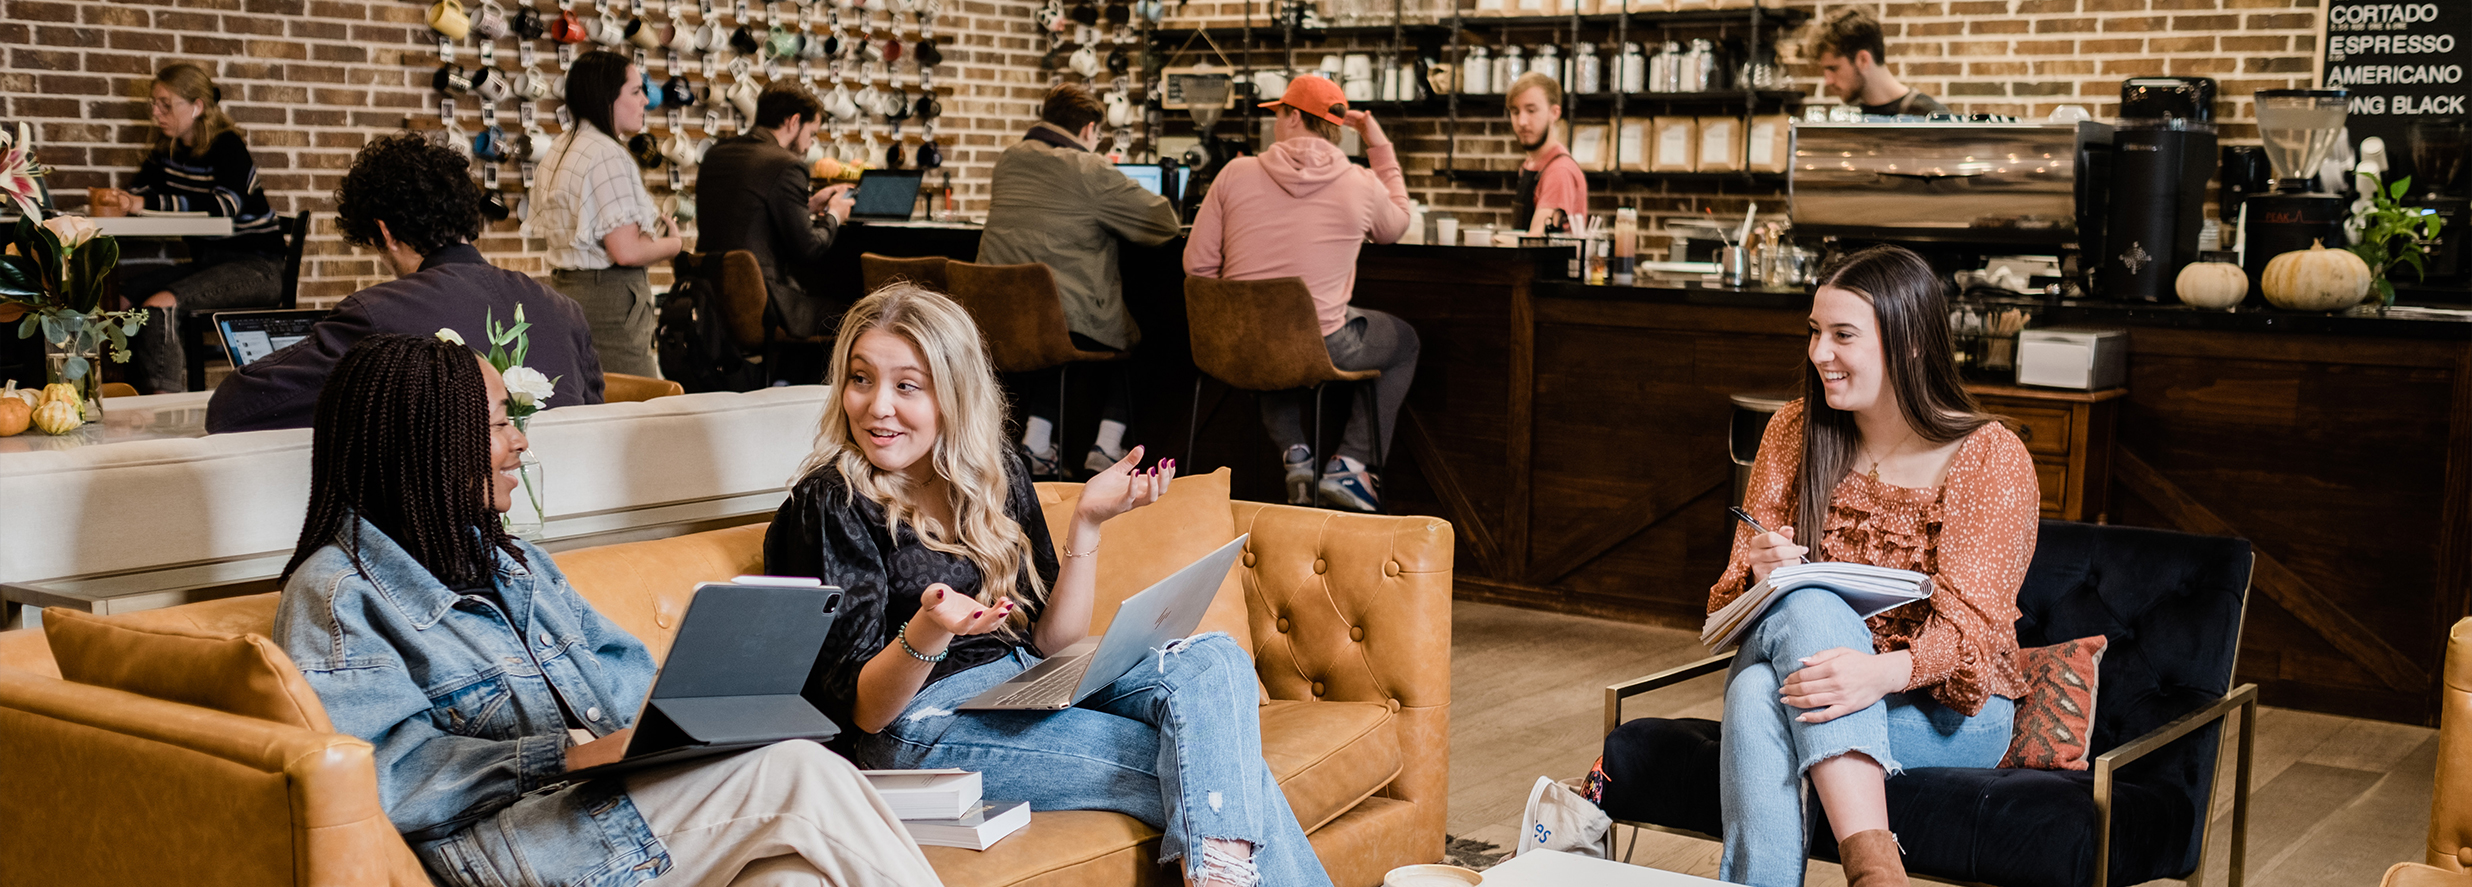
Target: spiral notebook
(1869, 590)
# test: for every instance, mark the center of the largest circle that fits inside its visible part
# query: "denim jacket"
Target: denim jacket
(461, 700)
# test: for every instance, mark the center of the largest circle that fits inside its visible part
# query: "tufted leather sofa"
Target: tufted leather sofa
(2449, 859)
(1348, 617)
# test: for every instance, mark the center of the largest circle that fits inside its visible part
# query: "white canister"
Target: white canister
(1547, 61)
(1632, 70)
(1332, 65)
(1356, 66)
(1665, 71)
(1507, 67)
(1357, 89)
(1476, 72)
(1270, 85)
(1591, 70)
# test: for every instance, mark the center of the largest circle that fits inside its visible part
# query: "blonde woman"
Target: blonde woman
(199, 163)
(918, 509)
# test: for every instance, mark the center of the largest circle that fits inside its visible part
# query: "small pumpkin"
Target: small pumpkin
(2211, 285)
(16, 413)
(2315, 279)
(57, 417)
(60, 391)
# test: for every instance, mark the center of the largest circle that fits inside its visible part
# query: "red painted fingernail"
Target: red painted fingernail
(977, 613)
(939, 595)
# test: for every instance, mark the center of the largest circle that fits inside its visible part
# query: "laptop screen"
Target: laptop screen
(886, 195)
(250, 335)
(1152, 178)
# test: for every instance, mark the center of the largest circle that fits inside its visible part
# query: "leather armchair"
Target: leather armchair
(1349, 616)
(2449, 859)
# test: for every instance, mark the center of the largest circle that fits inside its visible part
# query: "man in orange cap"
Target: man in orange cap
(1301, 209)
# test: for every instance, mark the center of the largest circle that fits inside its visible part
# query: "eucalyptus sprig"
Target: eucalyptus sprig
(57, 270)
(2392, 233)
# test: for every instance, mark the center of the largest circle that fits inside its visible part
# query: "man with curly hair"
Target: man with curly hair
(413, 201)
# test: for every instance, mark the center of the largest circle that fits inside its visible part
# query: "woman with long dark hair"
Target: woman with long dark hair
(1884, 461)
(589, 202)
(919, 509)
(464, 658)
(199, 162)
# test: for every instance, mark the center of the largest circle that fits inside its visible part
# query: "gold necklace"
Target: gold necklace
(1875, 460)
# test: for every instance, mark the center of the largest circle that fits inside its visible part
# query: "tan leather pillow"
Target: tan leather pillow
(1146, 544)
(240, 673)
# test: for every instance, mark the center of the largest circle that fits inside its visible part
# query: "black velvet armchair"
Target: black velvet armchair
(2171, 606)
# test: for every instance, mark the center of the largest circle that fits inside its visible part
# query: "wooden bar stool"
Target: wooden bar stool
(875, 270)
(1017, 310)
(1263, 336)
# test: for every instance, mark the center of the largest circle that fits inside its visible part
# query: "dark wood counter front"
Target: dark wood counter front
(1577, 437)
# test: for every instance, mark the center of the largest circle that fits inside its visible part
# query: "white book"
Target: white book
(978, 829)
(1868, 589)
(926, 794)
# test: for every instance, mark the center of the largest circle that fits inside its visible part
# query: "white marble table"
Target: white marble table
(1547, 868)
(147, 227)
(146, 417)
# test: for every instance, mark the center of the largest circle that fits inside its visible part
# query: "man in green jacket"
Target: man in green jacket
(1056, 201)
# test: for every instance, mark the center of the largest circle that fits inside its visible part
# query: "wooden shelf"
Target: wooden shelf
(1764, 179)
(1414, 32)
(1642, 20)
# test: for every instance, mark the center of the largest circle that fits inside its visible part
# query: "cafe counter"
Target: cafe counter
(1577, 438)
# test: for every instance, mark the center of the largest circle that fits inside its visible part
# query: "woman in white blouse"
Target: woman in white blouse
(589, 202)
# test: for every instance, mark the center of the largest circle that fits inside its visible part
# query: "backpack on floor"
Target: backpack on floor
(694, 341)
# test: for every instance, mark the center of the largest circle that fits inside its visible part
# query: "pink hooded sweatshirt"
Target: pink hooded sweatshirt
(1301, 209)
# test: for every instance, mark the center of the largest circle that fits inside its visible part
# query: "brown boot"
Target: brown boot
(1872, 859)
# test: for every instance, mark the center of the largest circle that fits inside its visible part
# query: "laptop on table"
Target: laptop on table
(1145, 622)
(250, 335)
(733, 674)
(886, 195)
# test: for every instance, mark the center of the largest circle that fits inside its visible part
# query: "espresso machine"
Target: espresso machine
(2438, 147)
(2163, 155)
(2299, 127)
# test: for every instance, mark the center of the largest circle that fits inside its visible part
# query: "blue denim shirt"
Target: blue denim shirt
(461, 699)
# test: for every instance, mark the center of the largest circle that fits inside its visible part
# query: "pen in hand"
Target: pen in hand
(1754, 524)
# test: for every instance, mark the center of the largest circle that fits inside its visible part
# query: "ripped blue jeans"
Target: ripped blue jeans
(1175, 743)
(1763, 752)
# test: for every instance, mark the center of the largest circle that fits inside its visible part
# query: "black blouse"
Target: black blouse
(825, 532)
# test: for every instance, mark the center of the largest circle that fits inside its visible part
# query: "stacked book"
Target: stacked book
(1869, 590)
(943, 808)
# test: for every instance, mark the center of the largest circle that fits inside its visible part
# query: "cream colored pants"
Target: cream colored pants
(789, 814)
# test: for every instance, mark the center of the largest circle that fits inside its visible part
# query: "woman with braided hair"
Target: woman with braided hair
(464, 658)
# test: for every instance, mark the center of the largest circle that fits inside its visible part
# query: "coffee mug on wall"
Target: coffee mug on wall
(491, 23)
(448, 17)
(489, 84)
(640, 33)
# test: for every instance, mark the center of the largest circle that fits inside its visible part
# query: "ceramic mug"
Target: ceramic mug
(536, 143)
(678, 92)
(568, 28)
(710, 38)
(451, 80)
(895, 104)
(869, 100)
(815, 151)
(684, 209)
(489, 84)
(1119, 110)
(928, 53)
(743, 42)
(816, 49)
(647, 153)
(1086, 62)
(454, 138)
(1269, 83)
(640, 32)
(839, 104)
(608, 30)
(682, 38)
(448, 17)
(780, 43)
(930, 156)
(536, 85)
(528, 24)
(490, 144)
(928, 107)
(743, 95)
(491, 24)
(652, 94)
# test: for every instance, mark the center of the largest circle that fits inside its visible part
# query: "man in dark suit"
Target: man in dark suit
(414, 201)
(752, 194)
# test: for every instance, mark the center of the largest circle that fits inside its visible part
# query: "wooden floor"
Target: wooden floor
(2334, 800)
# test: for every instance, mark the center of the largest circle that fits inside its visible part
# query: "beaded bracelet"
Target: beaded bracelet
(913, 651)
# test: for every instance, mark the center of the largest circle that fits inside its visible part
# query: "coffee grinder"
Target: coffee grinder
(2298, 127)
(2163, 153)
(2439, 146)
(1207, 98)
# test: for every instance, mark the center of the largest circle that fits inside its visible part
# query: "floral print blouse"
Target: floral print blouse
(1974, 536)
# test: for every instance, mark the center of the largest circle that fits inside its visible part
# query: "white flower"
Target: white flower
(448, 335)
(527, 387)
(73, 231)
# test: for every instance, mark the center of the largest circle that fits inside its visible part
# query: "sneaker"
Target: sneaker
(1355, 490)
(1299, 462)
(1042, 464)
(1098, 460)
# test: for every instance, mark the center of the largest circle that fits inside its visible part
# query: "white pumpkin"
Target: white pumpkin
(2211, 284)
(2315, 279)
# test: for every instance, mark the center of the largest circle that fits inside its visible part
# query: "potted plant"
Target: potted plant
(2392, 234)
(53, 275)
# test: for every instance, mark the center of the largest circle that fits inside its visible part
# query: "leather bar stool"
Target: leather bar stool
(1017, 310)
(623, 388)
(875, 270)
(747, 304)
(1261, 336)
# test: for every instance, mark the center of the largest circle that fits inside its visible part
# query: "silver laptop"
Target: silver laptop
(1145, 622)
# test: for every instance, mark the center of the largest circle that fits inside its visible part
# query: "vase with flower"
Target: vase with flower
(53, 278)
(527, 392)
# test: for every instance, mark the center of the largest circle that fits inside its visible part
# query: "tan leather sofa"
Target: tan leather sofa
(2449, 860)
(1348, 617)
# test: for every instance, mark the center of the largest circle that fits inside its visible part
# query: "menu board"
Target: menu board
(2401, 61)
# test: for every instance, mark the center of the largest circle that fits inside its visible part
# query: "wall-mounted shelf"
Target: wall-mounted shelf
(1604, 177)
(1788, 17)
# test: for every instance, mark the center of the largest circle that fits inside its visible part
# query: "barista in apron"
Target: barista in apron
(1553, 193)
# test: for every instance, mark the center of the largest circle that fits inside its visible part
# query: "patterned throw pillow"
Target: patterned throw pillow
(2055, 719)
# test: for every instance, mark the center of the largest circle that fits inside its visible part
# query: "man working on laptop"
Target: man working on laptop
(414, 201)
(1056, 202)
(751, 194)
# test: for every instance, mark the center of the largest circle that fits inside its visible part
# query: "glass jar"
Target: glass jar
(1632, 70)
(1476, 72)
(1507, 67)
(1591, 71)
(1546, 61)
(1699, 67)
(1665, 71)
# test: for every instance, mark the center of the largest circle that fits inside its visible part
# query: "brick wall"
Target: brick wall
(313, 79)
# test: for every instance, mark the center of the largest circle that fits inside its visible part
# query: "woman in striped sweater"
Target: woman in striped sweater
(199, 163)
